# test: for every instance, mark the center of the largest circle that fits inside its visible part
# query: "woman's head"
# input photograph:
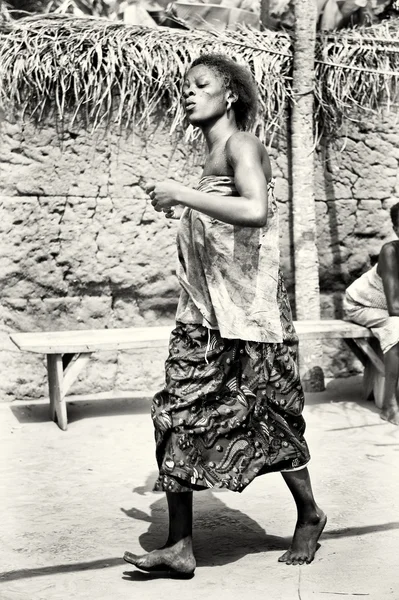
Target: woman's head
(215, 83)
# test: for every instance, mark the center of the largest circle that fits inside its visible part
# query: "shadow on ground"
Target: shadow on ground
(213, 521)
(345, 389)
(85, 409)
(62, 568)
(222, 535)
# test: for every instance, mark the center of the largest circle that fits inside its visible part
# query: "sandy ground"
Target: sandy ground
(72, 502)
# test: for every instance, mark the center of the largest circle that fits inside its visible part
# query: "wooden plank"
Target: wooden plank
(374, 372)
(379, 389)
(60, 342)
(368, 379)
(55, 375)
(90, 340)
(365, 346)
(73, 369)
(357, 351)
(330, 329)
(373, 384)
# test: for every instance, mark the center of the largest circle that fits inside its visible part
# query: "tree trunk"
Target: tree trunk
(264, 14)
(307, 294)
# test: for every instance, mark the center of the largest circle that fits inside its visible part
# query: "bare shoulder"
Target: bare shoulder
(245, 147)
(243, 140)
(389, 256)
(390, 249)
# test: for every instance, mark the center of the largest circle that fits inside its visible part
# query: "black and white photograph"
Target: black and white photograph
(199, 299)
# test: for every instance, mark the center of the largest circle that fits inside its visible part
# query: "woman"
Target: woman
(373, 301)
(231, 407)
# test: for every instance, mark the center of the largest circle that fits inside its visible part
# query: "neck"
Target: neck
(219, 131)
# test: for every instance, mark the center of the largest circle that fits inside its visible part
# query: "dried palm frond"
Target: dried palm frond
(357, 70)
(109, 72)
(105, 72)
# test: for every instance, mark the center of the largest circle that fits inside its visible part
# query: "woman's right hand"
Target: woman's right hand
(164, 194)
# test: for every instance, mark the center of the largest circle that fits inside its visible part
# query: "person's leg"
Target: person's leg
(381, 324)
(177, 554)
(180, 516)
(310, 522)
(390, 409)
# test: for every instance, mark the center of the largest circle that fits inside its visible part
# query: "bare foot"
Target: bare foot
(177, 559)
(304, 543)
(390, 413)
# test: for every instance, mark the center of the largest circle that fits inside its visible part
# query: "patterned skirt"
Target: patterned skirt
(230, 409)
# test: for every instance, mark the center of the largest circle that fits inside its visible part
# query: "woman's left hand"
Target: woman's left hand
(163, 194)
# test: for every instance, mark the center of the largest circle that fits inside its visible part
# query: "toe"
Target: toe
(130, 558)
(284, 557)
(390, 416)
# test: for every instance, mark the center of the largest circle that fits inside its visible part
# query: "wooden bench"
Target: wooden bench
(69, 351)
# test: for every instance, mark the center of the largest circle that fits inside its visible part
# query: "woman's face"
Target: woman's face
(204, 95)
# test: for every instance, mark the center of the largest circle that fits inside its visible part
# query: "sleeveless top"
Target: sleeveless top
(368, 290)
(228, 273)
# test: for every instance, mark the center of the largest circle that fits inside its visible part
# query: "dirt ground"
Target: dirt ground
(72, 502)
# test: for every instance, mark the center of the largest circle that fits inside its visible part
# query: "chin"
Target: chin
(193, 120)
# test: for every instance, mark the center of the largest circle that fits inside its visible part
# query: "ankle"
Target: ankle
(389, 405)
(183, 541)
(309, 515)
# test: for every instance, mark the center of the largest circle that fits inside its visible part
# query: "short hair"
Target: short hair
(395, 215)
(239, 80)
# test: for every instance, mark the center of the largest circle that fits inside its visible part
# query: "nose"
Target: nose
(187, 92)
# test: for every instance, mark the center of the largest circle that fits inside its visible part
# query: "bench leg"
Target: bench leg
(373, 384)
(374, 370)
(62, 371)
(58, 410)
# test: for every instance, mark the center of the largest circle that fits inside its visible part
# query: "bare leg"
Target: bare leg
(310, 523)
(390, 409)
(176, 557)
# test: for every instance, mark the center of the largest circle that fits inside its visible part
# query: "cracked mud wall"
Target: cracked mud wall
(357, 182)
(81, 246)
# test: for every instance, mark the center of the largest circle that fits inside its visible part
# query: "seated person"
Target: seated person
(372, 300)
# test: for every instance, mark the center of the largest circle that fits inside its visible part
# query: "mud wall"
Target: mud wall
(81, 246)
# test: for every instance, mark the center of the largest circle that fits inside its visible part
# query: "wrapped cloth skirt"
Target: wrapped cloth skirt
(230, 410)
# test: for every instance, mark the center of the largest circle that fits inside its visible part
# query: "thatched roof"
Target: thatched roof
(357, 71)
(102, 71)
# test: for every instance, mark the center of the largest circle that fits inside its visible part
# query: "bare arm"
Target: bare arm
(388, 269)
(249, 209)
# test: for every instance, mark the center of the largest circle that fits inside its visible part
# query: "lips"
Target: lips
(190, 105)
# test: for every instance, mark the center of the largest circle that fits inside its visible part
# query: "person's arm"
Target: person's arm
(388, 269)
(249, 209)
